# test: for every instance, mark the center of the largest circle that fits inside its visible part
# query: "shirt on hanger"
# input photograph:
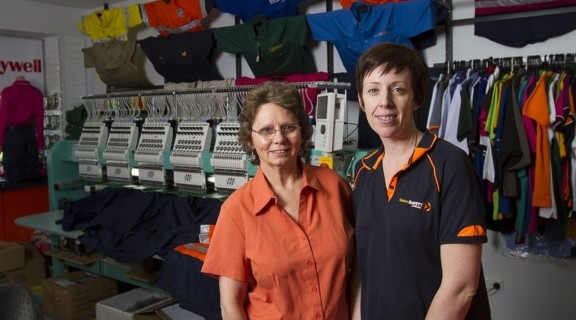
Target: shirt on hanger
(246, 10)
(183, 57)
(354, 30)
(271, 47)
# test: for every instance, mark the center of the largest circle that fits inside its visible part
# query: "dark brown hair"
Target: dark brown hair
(394, 57)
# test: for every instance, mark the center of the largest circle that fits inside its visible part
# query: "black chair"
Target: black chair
(19, 303)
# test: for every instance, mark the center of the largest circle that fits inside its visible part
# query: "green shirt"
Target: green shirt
(271, 47)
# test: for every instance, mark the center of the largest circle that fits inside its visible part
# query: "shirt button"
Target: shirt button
(303, 238)
(318, 315)
(314, 289)
(309, 263)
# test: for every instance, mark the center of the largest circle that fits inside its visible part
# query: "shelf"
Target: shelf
(46, 222)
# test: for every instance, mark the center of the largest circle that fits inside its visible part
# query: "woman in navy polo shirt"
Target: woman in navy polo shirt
(419, 213)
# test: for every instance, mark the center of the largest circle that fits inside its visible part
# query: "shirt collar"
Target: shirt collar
(263, 194)
(373, 160)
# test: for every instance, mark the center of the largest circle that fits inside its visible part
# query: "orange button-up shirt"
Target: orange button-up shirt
(294, 271)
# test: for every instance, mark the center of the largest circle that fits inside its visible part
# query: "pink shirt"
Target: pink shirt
(22, 104)
(294, 271)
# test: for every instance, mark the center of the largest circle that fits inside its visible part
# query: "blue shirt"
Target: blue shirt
(248, 9)
(354, 30)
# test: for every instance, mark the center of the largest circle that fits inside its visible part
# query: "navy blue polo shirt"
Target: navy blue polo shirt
(182, 57)
(435, 200)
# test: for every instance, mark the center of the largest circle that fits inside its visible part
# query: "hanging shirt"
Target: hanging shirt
(354, 30)
(271, 47)
(110, 23)
(512, 32)
(22, 104)
(175, 16)
(308, 95)
(246, 10)
(184, 57)
(117, 63)
(348, 3)
(536, 108)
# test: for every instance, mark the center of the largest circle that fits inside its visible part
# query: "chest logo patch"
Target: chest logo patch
(424, 206)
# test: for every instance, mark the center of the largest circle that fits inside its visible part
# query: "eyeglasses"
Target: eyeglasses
(288, 131)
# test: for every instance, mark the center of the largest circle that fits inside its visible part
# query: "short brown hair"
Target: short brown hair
(393, 56)
(283, 94)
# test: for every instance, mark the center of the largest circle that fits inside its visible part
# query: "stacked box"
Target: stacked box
(12, 256)
(31, 273)
(74, 295)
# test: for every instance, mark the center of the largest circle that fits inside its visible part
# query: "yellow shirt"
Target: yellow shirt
(111, 23)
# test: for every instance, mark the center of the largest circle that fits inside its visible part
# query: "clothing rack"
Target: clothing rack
(555, 60)
(326, 85)
(193, 103)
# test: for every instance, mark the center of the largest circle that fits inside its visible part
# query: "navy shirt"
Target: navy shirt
(434, 200)
(182, 57)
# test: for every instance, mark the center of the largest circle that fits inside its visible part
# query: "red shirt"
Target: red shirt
(22, 104)
(294, 271)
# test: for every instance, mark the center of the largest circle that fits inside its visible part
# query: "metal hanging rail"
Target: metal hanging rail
(162, 92)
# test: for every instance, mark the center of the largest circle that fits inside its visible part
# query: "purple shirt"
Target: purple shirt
(22, 104)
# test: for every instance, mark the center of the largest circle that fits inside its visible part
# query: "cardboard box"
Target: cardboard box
(33, 271)
(137, 304)
(12, 256)
(74, 295)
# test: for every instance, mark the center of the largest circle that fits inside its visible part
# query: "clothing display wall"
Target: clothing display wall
(517, 125)
(274, 39)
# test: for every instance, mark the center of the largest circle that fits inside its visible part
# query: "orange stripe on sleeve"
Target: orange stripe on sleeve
(472, 231)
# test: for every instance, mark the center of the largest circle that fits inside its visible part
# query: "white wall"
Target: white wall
(533, 290)
(33, 19)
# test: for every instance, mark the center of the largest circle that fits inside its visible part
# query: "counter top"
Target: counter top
(47, 222)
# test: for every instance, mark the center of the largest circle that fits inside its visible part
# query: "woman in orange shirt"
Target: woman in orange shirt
(283, 244)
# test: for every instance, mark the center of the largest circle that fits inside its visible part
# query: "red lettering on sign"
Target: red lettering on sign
(21, 66)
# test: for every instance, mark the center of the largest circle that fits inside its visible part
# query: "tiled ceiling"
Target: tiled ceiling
(80, 4)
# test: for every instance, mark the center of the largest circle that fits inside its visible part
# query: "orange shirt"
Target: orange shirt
(536, 108)
(294, 271)
(175, 16)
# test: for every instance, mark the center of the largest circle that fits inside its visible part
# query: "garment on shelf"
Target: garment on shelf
(150, 222)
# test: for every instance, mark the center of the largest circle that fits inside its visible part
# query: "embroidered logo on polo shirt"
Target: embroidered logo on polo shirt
(424, 206)
(275, 48)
